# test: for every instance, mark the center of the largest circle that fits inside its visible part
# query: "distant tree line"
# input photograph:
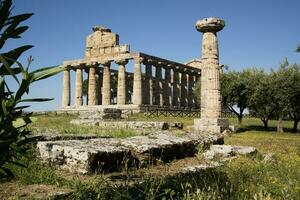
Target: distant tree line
(264, 95)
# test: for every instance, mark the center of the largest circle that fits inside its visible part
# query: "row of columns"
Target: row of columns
(146, 90)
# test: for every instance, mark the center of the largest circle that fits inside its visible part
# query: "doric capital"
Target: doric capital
(210, 24)
(148, 61)
(101, 29)
(121, 61)
(138, 60)
(161, 64)
(106, 63)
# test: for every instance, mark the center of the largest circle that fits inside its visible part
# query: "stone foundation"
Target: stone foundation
(211, 125)
(113, 154)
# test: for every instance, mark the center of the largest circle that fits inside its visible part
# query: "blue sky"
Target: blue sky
(258, 33)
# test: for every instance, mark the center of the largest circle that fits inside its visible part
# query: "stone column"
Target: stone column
(66, 100)
(137, 81)
(158, 86)
(183, 98)
(106, 84)
(176, 88)
(148, 83)
(78, 88)
(191, 84)
(121, 98)
(167, 87)
(210, 77)
(100, 81)
(92, 86)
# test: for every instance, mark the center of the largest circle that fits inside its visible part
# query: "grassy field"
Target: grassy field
(253, 177)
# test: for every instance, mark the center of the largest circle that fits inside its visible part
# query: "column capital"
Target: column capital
(148, 61)
(138, 59)
(105, 63)
(121, 61)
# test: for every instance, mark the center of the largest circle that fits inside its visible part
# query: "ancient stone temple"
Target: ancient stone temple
(155, 82)
(210, 77)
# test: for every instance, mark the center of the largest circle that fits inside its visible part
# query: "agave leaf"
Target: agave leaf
(13, 55)
(7, 66)
(18, 18)
(4, 10)
(45, 73)
(35, 100)
(23, 87)
(18, 31)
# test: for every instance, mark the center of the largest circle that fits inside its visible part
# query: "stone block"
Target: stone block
(112, 154)
(211, 125)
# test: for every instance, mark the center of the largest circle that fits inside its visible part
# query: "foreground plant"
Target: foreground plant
(13, 120)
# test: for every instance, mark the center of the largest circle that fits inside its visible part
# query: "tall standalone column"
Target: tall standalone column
(176, 88)
(92, 86)
(121, 98)
(137, 81)
(78, 88)
(167, 87)
(210, 77)
(191, 83)
(148, 83)
(106, 84)
(66, 100)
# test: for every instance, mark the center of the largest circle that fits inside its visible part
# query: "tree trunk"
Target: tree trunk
(279, 124)
(240, 120)
(265, 124)
(295, 126)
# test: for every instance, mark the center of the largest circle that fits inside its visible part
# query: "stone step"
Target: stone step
(113, 154)
(153, 125)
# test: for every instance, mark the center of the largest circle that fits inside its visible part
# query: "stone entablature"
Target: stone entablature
(172, 84)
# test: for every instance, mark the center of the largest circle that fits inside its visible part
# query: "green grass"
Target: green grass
(243, 178)
(60, 124)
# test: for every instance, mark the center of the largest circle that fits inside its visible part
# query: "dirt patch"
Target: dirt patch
(13, 190)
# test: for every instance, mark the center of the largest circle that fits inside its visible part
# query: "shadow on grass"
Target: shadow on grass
(263, 129)
(211, 183)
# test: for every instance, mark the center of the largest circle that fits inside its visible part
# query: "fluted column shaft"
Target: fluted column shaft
(183, 98)
(158, 85)
(176, 89)
(191, 84)
(121, 98)
(66, 100)
(92, 86)
(78, 88)
(149, 85)
(210, 75)
(137, 82)
(167, 87)
(106, 84)
(100, 82)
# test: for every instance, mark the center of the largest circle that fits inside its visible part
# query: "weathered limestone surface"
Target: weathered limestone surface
(121, 82)
(106, 84)
(148, 84)
(92, 86)
(110, 154)
(107, 119)
(210, 77)
(78, 88)
(227, 151)
(176, 89)
(66, 100)
(183, 89)
(137, 82)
